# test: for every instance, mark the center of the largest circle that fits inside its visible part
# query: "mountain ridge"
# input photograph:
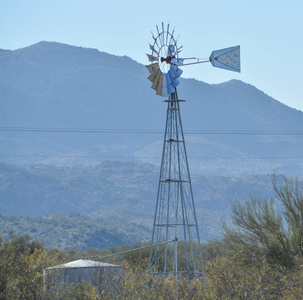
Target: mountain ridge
(54, 85)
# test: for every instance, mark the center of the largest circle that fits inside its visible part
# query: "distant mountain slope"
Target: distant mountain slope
(125, 192)
(52, 85)
(35, 190)
(67, 230)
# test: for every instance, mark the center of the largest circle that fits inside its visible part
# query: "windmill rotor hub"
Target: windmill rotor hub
(163, 59)
(167, 59)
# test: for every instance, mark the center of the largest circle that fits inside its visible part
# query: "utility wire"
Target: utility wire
(132, 250)
(147, 131)
(141, 131)
(145, 157)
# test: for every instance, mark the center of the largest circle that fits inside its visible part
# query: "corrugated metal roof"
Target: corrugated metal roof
(82, 263)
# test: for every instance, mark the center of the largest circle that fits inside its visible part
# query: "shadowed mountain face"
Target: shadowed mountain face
(55, 86)
(96, 197)
(110, 198)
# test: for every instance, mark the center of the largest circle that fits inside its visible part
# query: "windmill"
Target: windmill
(175, 250)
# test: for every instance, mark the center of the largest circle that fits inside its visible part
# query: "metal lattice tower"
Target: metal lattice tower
(176, 250)
(175, 221)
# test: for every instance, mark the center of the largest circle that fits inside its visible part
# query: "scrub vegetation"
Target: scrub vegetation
(260, 257)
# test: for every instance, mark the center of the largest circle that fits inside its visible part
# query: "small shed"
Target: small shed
(101, 275)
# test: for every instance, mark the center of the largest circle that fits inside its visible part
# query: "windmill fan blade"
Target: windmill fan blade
(171, 50)
(174, 80)
(228, 58)
(177, 51)
(152, 77)
(177, 72)
(169, 84)
(159, 85)
(153, 49)
(157, 80)
(152, 58)
(164, 87)
(152, 68)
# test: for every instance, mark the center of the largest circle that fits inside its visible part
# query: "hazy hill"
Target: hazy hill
(36, 190)
(52, 85)
(68, 230)
(106, 200)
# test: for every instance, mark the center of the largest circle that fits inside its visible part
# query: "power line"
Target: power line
(146, 131)
(77, 130)
(147, 157)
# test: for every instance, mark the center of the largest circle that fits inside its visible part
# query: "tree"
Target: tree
(21, 265)
(267, 236)
(291, 197)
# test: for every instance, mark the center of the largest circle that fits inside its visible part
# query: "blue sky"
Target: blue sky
(269, 32)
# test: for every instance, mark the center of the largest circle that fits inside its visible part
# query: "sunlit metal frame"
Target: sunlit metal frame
(175, 224)
(175, 215)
